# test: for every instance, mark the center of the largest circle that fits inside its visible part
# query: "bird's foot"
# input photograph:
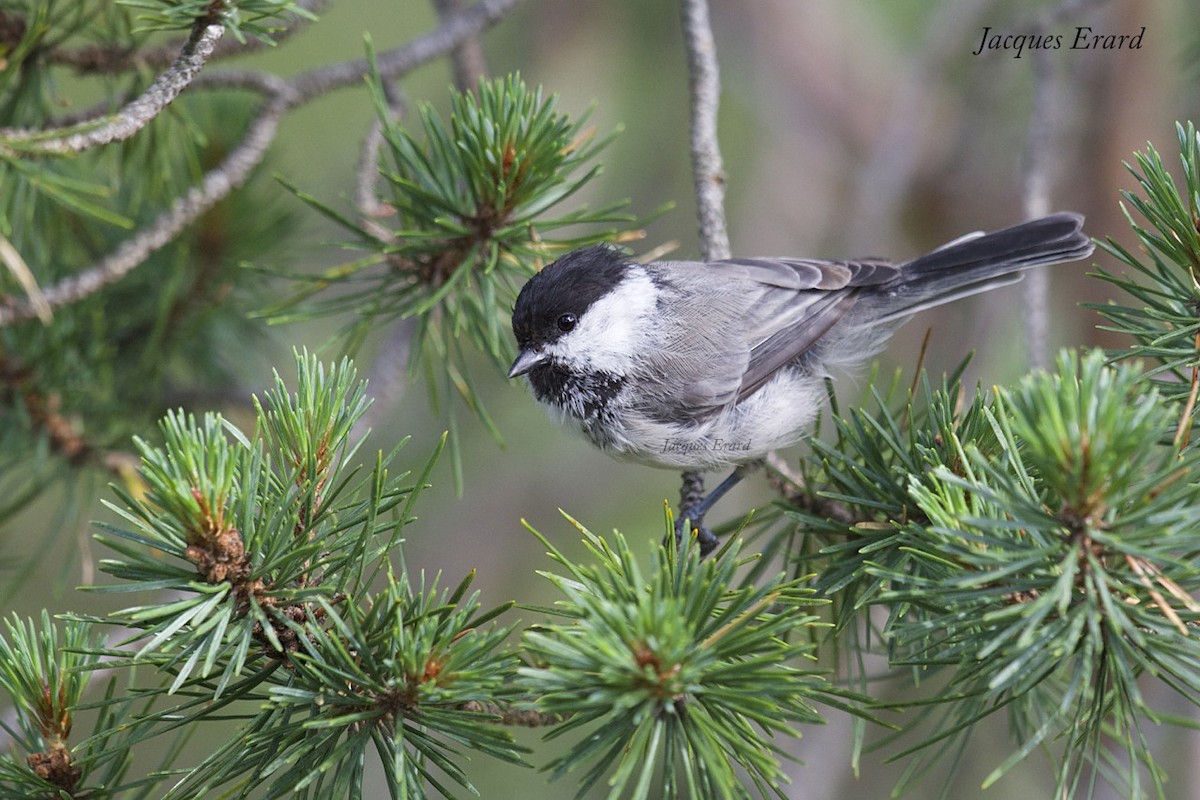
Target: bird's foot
(692, 524)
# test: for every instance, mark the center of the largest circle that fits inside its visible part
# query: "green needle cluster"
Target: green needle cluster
(676, 678)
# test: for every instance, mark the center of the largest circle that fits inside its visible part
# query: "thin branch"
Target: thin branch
(215, 185)
(134, 116)
(795, 491)
(370, 207)
(281, 96)
(63, 434)
(1036, 203)
(708, 171)
(509, 714)
(453, 31)
(467, 60)
(1038, 178)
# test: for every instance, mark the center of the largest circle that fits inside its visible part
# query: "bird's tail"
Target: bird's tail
(978, 262)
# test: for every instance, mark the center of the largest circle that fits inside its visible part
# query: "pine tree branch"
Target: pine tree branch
(63, 434)
(135, 115)
(216, 184)
(509, 714)
(281, 96)
(111, 59)
(795, 491)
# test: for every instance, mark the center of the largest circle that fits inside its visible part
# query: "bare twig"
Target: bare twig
(1038, 147)
(467, 60)
(370, 207)
(1038, 179)
(708, 171)
(454, 30)
(388, 368)
(134, 116)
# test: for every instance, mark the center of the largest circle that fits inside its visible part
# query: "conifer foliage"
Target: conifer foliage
(1029, 550)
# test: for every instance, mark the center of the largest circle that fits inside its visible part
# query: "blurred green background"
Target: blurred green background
(849, 128)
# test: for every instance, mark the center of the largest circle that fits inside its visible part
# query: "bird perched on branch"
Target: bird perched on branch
(702, 366)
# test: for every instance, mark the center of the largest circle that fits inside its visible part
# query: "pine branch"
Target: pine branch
(134, 116)
(44, 414)
(216, 184)
(677, 676)
(280, 96)
(292, 610)
(111, 60)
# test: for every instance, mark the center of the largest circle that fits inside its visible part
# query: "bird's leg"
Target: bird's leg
(694, 504)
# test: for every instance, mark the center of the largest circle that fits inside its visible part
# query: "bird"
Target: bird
(701, 366)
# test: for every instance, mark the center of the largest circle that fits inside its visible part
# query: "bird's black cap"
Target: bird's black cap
(568, 286)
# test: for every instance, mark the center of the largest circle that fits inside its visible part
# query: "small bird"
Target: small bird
(701, 366)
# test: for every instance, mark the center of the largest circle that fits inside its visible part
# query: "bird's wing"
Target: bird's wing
(758, 315)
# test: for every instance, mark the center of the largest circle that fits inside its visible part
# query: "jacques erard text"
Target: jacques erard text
(1083, 38)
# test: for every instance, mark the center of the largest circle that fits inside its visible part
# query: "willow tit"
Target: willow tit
(701, 366)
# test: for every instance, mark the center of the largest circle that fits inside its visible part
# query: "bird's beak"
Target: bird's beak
(527, 360)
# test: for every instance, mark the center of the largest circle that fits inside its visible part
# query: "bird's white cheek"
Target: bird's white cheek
(612, 332)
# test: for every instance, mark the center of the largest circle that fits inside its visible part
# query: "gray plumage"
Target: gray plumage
(693, 365)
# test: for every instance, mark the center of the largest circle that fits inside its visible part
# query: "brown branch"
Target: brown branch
(132, 117)
(510, 715)
(281, 96)
(792, 487)
(55, 766)
(214, 186)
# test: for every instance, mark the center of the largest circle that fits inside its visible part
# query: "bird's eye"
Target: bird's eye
(567, 322)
